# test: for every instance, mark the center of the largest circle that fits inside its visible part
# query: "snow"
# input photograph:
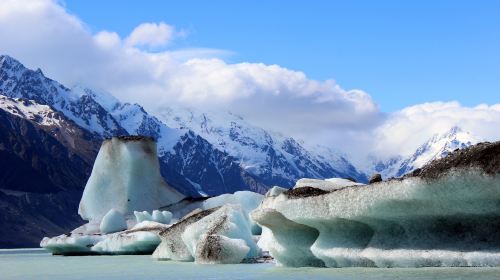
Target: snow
(113, 221)
(409, 223)
(259, 152)
(125, 177)
(436, 147)
(30, 110)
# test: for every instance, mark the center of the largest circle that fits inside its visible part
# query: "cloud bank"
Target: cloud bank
(140, 68)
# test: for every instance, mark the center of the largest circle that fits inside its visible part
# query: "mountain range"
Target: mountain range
(50, 136)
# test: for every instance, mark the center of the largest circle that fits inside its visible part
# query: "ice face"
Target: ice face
(125, 177)
(450, 221)
(229, 221)
(113, 221)
(247, 200)
(163, 217)
(172, 246)
(138, 242)
(218, 249)
(63, 244)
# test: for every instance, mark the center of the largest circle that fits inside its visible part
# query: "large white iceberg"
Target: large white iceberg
(126, 177)
(449, 221)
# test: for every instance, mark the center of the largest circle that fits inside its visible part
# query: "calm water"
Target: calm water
(36, 264)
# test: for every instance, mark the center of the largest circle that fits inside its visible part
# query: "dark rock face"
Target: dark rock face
(35, 161)
(41, 179)
(196, 161)
(134, 138)
(375, 178)
(484, 157)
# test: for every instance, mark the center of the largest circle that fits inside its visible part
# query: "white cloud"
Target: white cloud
(151, 35)
(407, 129)
(43, 34)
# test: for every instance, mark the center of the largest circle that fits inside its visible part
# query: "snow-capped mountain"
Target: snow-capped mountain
(17, 81)
(105, 116)
(274, 158)
(438, 146)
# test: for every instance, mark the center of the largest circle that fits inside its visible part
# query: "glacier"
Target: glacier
(446, 214)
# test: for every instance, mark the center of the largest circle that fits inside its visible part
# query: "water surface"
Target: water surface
(36, 264)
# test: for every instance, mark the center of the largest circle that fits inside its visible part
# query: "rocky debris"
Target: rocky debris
(304, 192)
(134, 138)
(375, 178)
(484, 157)
(171, 246)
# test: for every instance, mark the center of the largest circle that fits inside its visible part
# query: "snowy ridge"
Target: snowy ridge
(17, 81)
(30, 110)
(277, 158)
(438, 146)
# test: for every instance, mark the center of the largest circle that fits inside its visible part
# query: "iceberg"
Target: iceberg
(126, 177)
(143, 238)
(445, 214)
(70, 245)
(229, 225)
(172, 247)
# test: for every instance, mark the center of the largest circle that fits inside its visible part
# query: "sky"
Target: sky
(362, 77)
(400, 52)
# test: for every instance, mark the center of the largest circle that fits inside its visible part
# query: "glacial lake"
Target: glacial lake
(36, 264)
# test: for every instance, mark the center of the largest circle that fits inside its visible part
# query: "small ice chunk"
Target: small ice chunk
(113, 221)
(142, 216)
(163, 217)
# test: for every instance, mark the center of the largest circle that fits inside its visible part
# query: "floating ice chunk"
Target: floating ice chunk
(287, 241)
(246, 199)
(228, 221)
(143, 238)
(172, 247)
(138, 242)
(113, 221)
(126, 177)
(70, 245)
(163, 217)
(218, 249)
(326, 185)
(142, 216)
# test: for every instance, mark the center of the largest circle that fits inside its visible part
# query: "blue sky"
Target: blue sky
(400, 52)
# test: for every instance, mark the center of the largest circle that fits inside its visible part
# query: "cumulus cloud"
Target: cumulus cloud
(151, 35)
(43, 34)
(405, 130)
